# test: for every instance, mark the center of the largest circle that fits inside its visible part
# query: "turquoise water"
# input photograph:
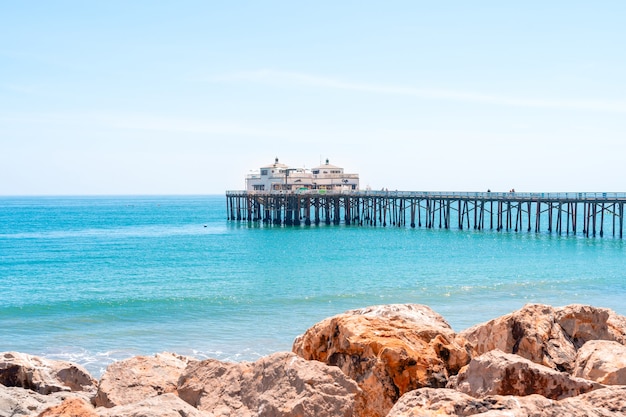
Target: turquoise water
(95, 279)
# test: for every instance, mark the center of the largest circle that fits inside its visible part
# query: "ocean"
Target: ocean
(97, 279)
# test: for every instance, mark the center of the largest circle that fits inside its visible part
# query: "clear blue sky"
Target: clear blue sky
(186, 97)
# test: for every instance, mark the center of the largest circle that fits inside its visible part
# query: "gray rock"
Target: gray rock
(15, 401)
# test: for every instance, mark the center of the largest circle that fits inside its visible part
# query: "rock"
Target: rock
(279, 385)
(23, 402)
(74, 407)
(388, 350)
(166, 405)
(16, 401)
(138, 378)
(546, 335)
(42, 375)
(583, 323)
(609, 401)
(499, 373)
(602, 361)
(426, 402)
(530, 332)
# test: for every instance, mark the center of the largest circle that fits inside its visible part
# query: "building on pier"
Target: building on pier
(281, 177)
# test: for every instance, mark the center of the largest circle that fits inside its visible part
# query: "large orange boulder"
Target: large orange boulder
(388, 350)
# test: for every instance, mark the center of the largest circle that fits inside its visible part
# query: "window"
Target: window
(259, 187)
(264, 172)
(315, 171)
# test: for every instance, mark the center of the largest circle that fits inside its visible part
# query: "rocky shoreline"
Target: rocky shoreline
(389, 360)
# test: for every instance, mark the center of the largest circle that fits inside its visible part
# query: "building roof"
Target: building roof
(276, 164)
(327, 165)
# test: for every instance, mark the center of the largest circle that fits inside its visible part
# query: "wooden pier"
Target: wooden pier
(592, 214)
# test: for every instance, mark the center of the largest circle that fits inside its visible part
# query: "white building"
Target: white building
(281, 177)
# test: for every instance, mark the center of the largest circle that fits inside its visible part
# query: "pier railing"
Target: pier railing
(561, 212)
(544, 196)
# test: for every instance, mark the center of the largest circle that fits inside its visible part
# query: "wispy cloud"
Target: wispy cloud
(295, 78)
(154, 123)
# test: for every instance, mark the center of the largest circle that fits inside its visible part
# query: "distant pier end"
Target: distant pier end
(592, 214)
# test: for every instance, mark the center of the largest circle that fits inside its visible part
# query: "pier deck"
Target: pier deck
(588, 213)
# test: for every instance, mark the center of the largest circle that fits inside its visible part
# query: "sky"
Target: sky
(187, 97)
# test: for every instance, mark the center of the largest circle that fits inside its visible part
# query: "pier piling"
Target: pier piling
(434, 209)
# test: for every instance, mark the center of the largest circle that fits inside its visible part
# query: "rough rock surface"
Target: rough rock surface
(582, 323)
(389, 350)
(23, 402)
(15, 401)
(424, 402)
(138, 378)
(381, 356)
(547, 335)
(281, 384)
(602, 361)
(43, 376)
(74, 407)
(166, 405)
(499, 373)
